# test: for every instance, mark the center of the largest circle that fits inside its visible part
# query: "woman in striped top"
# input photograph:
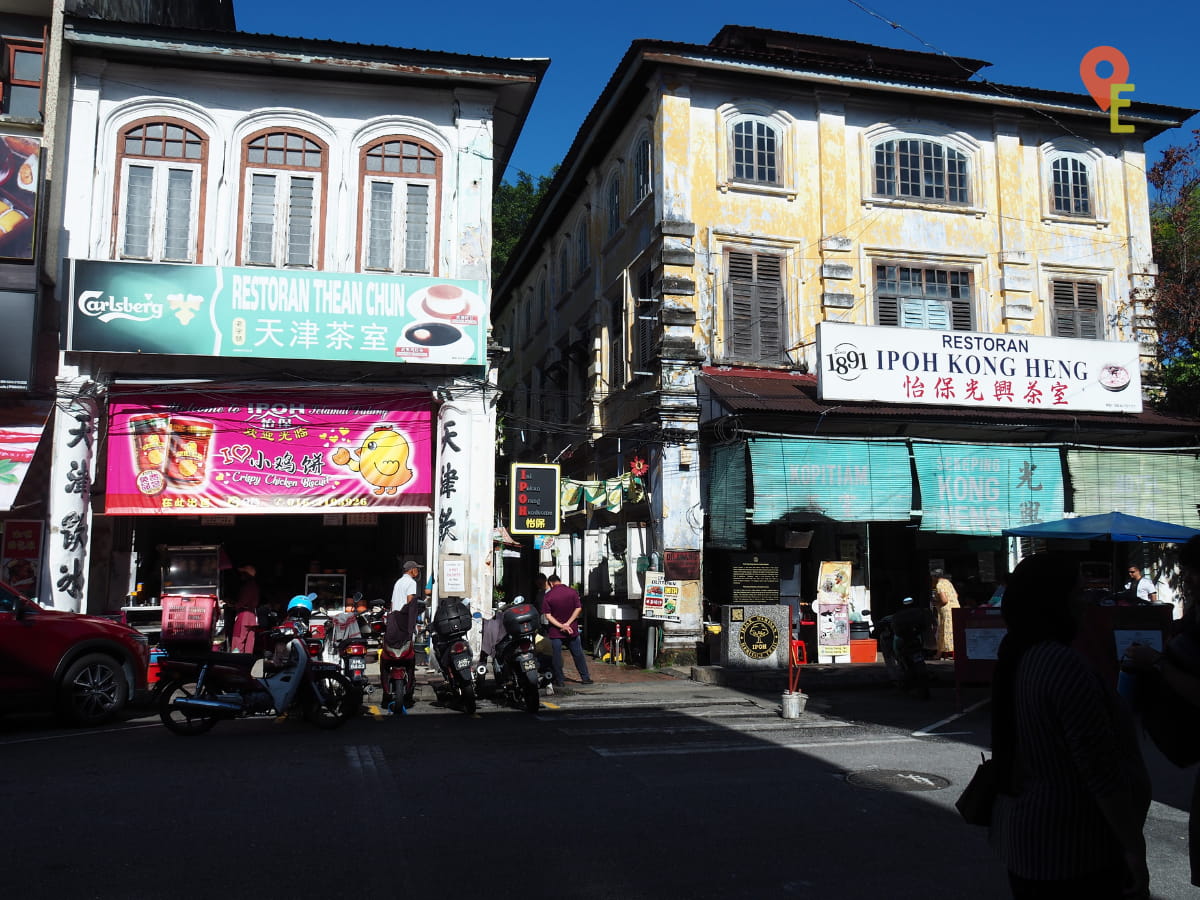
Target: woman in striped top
(1074, 789)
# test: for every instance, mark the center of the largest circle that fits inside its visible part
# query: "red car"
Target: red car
(84, 667)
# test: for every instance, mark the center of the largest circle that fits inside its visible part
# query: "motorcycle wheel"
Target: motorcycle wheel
(531, 701)
(176, 720)
(468, 699)
(340, 699)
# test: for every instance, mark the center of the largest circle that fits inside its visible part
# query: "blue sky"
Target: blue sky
(1032, 43)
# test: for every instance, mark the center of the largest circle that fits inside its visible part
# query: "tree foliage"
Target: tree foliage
(512, 210)
(1175, 231)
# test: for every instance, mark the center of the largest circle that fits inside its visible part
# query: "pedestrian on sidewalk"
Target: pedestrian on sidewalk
(562, 608)
(944, 599)
(1073, 789)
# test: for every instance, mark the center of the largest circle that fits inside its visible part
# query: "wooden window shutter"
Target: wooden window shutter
(740, 338)
(1087, 302)
(769, 303)
(1076, 312)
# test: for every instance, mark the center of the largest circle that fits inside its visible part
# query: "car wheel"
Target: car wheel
(93, 690)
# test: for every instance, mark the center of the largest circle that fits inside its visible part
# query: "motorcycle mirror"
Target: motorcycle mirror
(865, 613)
(357, 596)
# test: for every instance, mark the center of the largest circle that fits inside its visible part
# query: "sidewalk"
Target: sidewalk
(841, 676)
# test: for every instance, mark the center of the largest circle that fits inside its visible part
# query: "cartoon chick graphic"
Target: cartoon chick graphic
(382, 460)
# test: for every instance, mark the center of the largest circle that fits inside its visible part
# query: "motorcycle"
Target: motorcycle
(516, 664)
(348, 645)
(198, 688)
(901, 640)
(451, 622)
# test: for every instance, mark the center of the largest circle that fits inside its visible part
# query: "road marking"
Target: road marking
(700, 728)
(57, 737)
(658, 714)
(369, 763)
(739, 748)
(549, 705)
(927, 731)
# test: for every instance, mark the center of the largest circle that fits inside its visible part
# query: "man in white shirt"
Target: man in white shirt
(405, 590)
(1141, 586)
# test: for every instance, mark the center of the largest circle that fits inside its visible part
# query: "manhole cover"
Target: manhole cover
(897, 780)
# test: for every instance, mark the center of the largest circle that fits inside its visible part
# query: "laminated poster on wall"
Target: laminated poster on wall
(661, 598)
(832, 609)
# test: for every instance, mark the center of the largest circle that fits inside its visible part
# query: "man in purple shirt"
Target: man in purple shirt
(562, 608)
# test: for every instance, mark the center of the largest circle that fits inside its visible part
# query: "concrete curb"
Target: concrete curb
(827, 677)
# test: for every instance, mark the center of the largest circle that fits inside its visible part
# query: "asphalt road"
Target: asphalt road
(660, 790)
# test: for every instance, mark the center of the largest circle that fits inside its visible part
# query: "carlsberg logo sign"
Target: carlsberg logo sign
(97, 306)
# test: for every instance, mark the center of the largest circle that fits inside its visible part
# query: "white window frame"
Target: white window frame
(281, 236)
(158, 212)
(400, 224)
(642, 155)
(731, 115)
(1093, 159)
(919, 307)
(759, 126)
(959, 141)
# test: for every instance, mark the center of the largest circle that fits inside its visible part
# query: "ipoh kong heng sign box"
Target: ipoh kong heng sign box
(275, 313)
(962, 368)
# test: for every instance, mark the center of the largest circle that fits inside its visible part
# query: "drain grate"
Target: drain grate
(897, 780)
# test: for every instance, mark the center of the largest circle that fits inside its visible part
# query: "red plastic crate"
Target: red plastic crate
(188, 618)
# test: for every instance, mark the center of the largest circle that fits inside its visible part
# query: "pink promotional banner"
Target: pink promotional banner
(289, 453)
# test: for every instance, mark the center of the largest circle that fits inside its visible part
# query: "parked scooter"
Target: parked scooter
(516, 664)
(451, 622)
(901, 640)
(200, 687)
(347, 643)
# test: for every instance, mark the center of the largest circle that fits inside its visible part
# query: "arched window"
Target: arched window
(612, 206)
(582, 249)
(755, 151)
(1070, 192)
(643, 177)
(400, 188)
(564, 266)
(161, 167)
(284, 173)
(921, 169)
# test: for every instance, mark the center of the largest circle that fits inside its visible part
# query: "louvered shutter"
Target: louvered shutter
(1087, 302)
(1076, 312)
(769, 302)
(755, 317)
(740, 339)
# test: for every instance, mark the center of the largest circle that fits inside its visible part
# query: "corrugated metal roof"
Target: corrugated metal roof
(753, 391)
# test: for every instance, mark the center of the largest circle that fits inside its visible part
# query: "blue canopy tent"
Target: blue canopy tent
(1113, 526)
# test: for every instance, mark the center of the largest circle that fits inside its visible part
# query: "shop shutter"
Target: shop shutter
(727, 498)
(1162, 486)
(985, 488)
(801, 479)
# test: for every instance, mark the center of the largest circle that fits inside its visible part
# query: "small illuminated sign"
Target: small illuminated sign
(533, 499)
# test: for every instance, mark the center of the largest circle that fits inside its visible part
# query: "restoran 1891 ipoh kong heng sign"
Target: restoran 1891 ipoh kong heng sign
(275, 314)
(961, 368)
